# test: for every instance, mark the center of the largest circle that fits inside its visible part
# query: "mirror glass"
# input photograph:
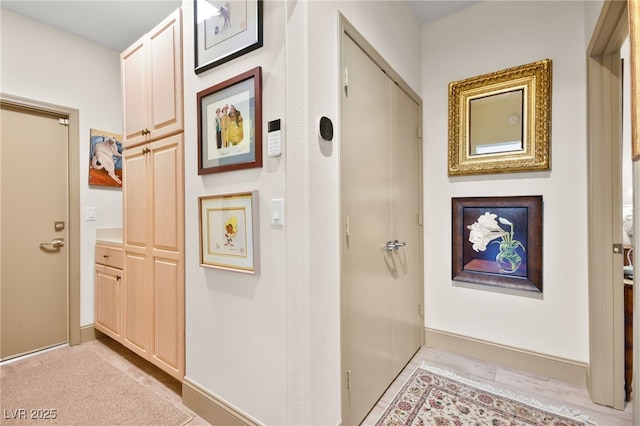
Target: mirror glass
(495, 123)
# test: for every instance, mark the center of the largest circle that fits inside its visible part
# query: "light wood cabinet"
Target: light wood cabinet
(153, 192)
(151, 72)
(109, 279)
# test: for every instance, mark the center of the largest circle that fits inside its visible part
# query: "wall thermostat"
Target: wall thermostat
(326, 129)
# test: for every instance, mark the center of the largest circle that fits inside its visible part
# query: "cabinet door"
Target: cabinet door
(136, 195)
(137, 304)
(166, 183)
(133, 70)
(137, 291)
(168, 254)
(151, 71)
(108, 283)
(164, 49)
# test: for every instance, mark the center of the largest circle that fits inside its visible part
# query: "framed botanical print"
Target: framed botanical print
(497, 241)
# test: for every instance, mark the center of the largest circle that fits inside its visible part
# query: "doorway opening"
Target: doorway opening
(605, 224)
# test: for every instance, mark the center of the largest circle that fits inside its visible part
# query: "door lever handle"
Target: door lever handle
(389, 246)
(55, 243)
(397, 244)
(393, 245)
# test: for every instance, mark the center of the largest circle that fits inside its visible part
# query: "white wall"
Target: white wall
(270, 344)
(43, 64)
(499, 35)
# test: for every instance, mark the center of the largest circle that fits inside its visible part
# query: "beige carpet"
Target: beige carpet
(82, 389)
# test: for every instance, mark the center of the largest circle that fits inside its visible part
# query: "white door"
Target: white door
(381, 244)
(34, 223)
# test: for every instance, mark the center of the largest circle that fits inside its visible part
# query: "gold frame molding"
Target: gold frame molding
(534, 80)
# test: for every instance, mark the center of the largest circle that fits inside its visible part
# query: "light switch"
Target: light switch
(277, 212)
(91, 213)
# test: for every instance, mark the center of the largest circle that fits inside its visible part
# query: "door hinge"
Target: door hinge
(346, 227)
(63, 121)
(421, 310)
(349, 380)
(419, 132)
(346, 81)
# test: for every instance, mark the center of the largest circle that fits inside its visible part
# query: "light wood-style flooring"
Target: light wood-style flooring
(547, 391)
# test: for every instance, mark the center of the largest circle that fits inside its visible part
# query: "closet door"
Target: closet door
(406, 201)
(380, 246)
(367, 296)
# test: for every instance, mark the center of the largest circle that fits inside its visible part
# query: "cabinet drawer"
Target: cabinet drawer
(110, 256)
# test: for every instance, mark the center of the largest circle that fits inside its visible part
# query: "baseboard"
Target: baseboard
(87, 333)
(211, 408)
(545, 365)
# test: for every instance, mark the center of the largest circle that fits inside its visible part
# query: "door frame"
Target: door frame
(73, 206)
(346, 29)
(605, 374)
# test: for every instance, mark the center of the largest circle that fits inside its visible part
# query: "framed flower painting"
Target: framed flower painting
(497, 241)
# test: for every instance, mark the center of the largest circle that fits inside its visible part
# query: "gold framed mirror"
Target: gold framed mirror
(500, 122)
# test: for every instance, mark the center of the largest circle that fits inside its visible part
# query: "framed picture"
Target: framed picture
(225, 29)
(230, 124)
(497, 241)
(501, 122)
(229, 232)
(105, 158)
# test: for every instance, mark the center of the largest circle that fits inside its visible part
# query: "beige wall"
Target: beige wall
(499, 35)
(270, 344)
(48, 65)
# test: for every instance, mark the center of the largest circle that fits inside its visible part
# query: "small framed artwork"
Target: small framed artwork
(105, 158)
(225, 29)
(230, 124)
(497, 241)
(229, 232)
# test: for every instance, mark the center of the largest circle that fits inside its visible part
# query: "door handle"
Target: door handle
(393, 245)
(397, 244)
(389, 246)
(55, 243)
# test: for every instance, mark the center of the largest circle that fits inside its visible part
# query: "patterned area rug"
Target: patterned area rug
(443, 399)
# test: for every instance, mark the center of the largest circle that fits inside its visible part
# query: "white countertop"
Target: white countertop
(109, 235)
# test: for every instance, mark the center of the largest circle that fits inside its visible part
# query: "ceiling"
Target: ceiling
(116, 24)
(112, 23)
